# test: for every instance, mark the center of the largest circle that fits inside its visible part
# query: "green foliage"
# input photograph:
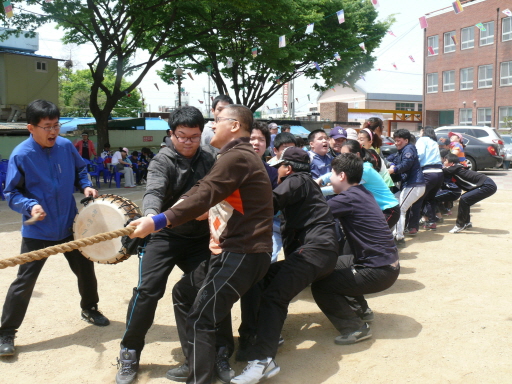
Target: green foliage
(74, 94)
(116, 29)
(235, 27)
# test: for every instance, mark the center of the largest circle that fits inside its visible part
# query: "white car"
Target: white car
(486, 134)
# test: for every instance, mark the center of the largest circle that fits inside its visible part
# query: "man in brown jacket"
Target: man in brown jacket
(238, 195)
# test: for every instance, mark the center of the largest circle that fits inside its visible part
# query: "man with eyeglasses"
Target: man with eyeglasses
(171, 173)
(237, 195)
(41, 178)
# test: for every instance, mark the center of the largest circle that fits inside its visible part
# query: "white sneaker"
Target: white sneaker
(457, 229)
(256, 371)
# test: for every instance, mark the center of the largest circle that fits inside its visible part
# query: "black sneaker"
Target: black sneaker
(95, 317)
(367, 316)
(7, 345)
(128, 366)
(178, 374)
(222, 368)
(400, 242)
(361, 334)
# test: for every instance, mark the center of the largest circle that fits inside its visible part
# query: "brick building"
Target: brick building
(468, 70)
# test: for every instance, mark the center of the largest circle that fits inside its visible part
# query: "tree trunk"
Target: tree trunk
(102, 128)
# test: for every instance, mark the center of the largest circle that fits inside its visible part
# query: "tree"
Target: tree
(74, 94)
(235, 29)
(117, 29)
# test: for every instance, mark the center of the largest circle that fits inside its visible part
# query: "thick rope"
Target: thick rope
(65, 247)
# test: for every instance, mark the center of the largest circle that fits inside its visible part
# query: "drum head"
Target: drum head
(105, 214)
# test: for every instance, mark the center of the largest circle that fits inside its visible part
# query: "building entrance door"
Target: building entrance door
(445, 118)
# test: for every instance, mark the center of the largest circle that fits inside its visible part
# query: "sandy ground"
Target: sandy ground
(446, 320)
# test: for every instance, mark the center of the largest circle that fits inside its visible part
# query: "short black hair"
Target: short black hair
(106, 145)
(284, 138)
(298, 167)
(351, 165)
(243, 115)
(312, 135)
(263, 127)
(452, 158)
(402, 134)
(40, 109)
(224, 98)
(444, 152)
(429, 132)
(285, 127)
(135, 153)
(189, 116)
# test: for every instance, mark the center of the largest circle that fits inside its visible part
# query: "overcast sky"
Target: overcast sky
(408, 42)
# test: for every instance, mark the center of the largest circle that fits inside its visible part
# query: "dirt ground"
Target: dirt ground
(446, 320)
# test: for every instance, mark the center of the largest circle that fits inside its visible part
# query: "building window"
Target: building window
(433, 41)
(507, 29)
(485, 76)
(432, 82)
(404, 107)
(41, 66)
(504, 113)
(466, 78)
(487, 36)
(466, 116)
(484, 116)
(506, 73)
(449, 44)
(448, 81)
(468, 38)
(420, 107)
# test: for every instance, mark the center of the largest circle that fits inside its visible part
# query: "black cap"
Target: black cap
(295, 154)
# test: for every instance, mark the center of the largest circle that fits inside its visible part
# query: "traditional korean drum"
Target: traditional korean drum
(106, 213)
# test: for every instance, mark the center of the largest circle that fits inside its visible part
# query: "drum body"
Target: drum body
(104, 214)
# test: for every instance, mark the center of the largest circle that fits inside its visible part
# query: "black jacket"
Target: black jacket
(170, 175)
(408, 166)
(308, 222)
(464, 178)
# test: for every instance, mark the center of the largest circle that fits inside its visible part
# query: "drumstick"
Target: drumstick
(33, 219)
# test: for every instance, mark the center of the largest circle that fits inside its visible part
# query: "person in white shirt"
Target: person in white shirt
(120, 157)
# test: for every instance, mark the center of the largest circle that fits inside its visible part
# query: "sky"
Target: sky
(408, 42)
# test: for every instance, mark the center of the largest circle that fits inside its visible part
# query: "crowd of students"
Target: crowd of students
(222, 213)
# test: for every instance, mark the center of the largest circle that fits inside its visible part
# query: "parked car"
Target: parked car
(479, 155)
(485, 134)
(507, 139)
(388, 146)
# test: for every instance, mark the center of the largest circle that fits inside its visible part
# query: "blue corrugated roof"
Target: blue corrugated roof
(15, 52)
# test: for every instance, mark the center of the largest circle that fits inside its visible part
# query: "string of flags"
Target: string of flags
(457, 7)
(156, 85)
(8, 9)
(412, 58)
(507, 12)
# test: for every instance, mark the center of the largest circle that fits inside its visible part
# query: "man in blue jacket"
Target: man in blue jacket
(41, 177)
(406, 164)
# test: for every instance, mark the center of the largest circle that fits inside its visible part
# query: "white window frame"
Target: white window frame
(506, 29)
(487, 81)
(449, 86)
(43, 66)
(433, 41)
(431, 86)
(504, 112)
(466, 113)
(506, 74)
(466, 78)
(447, 37)
(484, 117)
(487, 36)
(467, 38)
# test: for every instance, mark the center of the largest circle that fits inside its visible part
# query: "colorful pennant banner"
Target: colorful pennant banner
(337, 56)
(254, 52)
(282, 41)
(317, 66)
(309, 28)
(457, 7)
(375, 3)
(507, 12)
(431, 51)
(341, 16)
(423, 22)
(412, 58)
(481, 27)
(8, 9)
(362, 47)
